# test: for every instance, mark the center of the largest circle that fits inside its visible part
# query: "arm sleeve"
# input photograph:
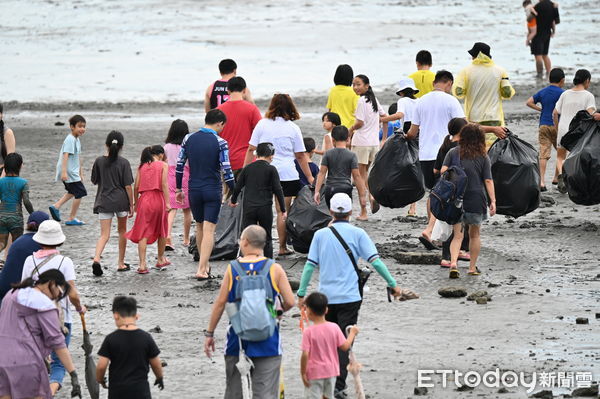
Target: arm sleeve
(70, 145)
(459, 89)
(225, 165)
(448, 158)
(239, 184)
(94, 175)
(68, 269)
(305, 345)
(153, 350)
(359, 114)
(277, 189)
(329, 102)
(105, 349)
(383, 271)
(181, 160)
(487, 168)
(591, 103)
(127, 175)
(506, 90)
(298, 141)
(309, 268)
(325, 159)
(26, 201)
(416, 114)
(354, 163)
(256, 117)
(340, 337)
(458, 111)
(366, 247)
(53, 336)
(537, 97)
(256, 132)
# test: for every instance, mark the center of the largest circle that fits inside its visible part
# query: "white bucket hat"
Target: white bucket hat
(406, 83)
(49, 233)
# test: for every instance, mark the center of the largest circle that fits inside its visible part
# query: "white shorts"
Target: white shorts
(319, 388)
(365, 154)
(110, 215)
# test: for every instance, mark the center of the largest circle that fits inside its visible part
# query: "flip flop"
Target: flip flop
(282, 255)
(427, 244)
(169, 248)
(209, 277)
(165, 264)
(55, 213)
(124, 269)
(475, 273)
(454, 273)
(465, 256)
(97, 269)
(74, 222)
(445, 263)
(143, 271)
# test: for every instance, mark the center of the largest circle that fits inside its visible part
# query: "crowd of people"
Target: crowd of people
(240, 158)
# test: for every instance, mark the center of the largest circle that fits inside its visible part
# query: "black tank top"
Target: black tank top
(218, 94)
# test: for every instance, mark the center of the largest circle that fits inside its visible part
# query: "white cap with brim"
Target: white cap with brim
(340, 203)
(49, 233)
(406, 83)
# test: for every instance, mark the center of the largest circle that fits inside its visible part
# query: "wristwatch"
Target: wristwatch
(208, 334)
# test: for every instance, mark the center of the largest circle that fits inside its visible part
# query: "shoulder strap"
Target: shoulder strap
(266, 268)
(37, 268)
(237, 266)
(347, 249)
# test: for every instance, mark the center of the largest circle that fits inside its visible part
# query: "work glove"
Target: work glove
(75, 387)
(159, 383)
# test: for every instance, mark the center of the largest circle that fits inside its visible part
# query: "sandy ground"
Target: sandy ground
(543, 270)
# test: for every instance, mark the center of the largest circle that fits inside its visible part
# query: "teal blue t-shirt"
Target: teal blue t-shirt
(72, 146)
(337, 277)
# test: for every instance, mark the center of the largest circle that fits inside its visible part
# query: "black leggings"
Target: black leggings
(463, 247)
(263, 216)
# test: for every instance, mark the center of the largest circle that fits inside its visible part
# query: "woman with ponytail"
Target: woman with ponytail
(7, 141)
(29, 331)
(114, 198)
(365, 132)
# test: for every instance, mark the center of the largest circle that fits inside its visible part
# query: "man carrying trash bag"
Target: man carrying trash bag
(335, 250)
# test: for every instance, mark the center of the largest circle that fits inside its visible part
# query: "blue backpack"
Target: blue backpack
(254, 320)
(446, 197)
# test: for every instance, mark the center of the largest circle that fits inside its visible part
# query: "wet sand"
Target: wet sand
(541, 271)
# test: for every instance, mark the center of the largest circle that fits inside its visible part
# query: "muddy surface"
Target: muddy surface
(542, 271)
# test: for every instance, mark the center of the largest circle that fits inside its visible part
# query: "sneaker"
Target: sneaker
(562, 187)
(55, 213)
(74, 222)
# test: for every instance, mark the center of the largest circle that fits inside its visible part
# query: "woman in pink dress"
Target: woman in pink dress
(179, 129)
(151, 196)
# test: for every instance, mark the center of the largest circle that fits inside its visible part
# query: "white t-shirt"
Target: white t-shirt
(368, 135)
(286, 137)
(432, 113)
(59, 262)
(571, 102)
(406, 105)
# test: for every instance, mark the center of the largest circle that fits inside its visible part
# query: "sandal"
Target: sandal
(124, 269)
(286, 253)
(165, 264)
(427, 243)
(97, 269)
(464, 255)
(445, 263)
(475, 273)
(169, 248)
(143, 271)
(454, 273)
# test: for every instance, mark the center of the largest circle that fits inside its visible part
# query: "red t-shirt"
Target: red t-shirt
(242, 116)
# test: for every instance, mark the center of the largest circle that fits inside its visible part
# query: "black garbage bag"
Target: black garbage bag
(581, 169)
(580, 124)
(516, 174)
(305, 218)
(227, 232)
(396, 179)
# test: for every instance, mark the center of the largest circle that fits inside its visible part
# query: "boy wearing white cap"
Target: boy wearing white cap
(50, 237)
(405, 88)
(335, 250)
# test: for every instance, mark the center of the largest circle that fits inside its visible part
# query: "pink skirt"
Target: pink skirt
(173, 187)
(150, 219)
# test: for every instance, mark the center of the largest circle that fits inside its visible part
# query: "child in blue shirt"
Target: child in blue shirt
(14, 192)
(310, 146)
(547, 98)
(68, 170)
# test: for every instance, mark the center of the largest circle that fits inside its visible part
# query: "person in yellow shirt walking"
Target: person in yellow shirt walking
(342, 99)
(423, 77)
(483, 85)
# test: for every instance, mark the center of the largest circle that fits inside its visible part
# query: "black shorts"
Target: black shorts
(77, 189)
(429, 177)
(331, 190)
(540, 44)
(291, 188)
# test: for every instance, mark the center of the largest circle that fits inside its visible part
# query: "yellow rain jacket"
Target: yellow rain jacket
(483, 85)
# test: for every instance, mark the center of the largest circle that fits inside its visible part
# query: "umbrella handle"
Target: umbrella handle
(82, 316)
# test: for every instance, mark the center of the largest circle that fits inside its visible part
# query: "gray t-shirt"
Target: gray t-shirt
(478, 170)
(339, 162)
(111, 178)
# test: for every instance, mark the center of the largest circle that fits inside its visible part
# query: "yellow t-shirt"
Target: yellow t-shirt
(342, 100)
(423, 81)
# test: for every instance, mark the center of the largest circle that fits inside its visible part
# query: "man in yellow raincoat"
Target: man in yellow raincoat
(483, 85)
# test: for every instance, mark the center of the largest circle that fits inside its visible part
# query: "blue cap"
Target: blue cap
(38, 217)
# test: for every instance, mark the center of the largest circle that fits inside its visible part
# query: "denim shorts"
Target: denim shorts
(474, 218)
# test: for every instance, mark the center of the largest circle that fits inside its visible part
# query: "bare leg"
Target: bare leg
(162, 243)
(187, 225)
(539, 66)
(561, 154)
(75, 208)
(63, 200)
(281, 232)
(3, 240)
(543, 163)
(105, 225)
(474, 245)
(429, 229)
(171, 219)
(547, 64)
(413, 209)
(142, 253)
(206, 247)
(364, 173)
(455, 245)
(8, 244)
(122, 228)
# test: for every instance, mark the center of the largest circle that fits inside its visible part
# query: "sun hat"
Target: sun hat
(406, 83)
(37, 217)
(480, 47)
(49, 233)
(340, 203)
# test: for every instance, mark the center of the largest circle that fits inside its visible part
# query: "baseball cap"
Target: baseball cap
(37, 217)
(406, 83)
(340, 203)
(480, 47)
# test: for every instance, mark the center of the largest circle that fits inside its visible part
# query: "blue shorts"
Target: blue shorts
(205, 204)
(474, 218)
(77, 189)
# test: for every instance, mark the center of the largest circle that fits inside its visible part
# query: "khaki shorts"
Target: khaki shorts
(547, 137)
(365, 154)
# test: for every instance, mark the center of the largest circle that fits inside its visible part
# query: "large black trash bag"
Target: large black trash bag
(516, 174)
(396, 179)
(227, 232)
(580, 124)
(305, 218)
(581, 169)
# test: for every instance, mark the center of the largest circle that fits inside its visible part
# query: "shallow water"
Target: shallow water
(157, 50)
